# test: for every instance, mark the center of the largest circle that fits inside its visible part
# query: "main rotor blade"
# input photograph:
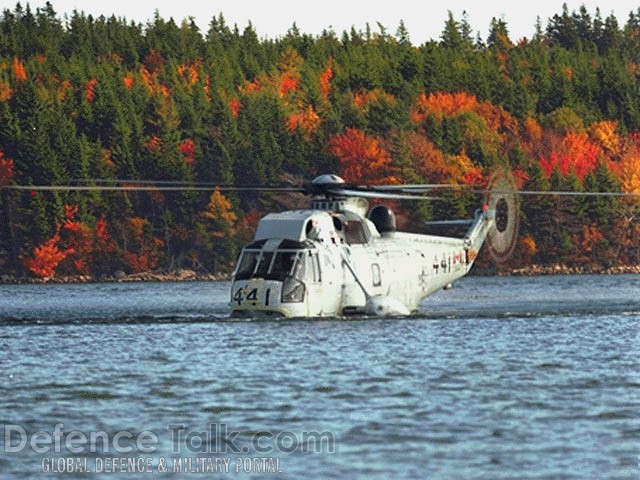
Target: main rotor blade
(154, 188)
(414, 187)
(367, 194)
(561, 193)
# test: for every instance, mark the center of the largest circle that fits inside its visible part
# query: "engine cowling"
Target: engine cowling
(383, 218)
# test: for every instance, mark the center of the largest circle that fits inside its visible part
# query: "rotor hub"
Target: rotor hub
(328, 180)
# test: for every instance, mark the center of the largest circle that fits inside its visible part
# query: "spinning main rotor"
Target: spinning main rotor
(500, 197)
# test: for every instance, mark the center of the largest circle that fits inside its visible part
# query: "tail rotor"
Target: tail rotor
(502, 199)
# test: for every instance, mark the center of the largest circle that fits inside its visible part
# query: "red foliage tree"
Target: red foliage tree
(288, 84)
(576, 154)
(362, 158)
(128, 81)
(234, 106)
(188, 149)
(6, 169)
(78, 240)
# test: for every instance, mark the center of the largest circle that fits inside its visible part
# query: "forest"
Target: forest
(99, 101)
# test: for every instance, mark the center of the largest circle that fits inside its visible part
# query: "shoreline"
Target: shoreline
(556, 269)
(186, 275)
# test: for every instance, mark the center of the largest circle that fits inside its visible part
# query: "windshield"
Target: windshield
(270, 265)
(287, 264)
(263, 264)
(247, 264)
(283, 264)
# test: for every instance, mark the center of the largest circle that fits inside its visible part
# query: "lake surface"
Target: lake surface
(526, 377)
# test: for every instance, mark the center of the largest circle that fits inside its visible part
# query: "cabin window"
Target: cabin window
(354, 232)
(375, 275)
(299, 268)
(247, 265)
(316, 268)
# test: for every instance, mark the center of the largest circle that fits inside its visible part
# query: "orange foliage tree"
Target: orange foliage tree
(442, 104)
(362, 158)
(46, 258)
(363, 99)
(305, 121)
(284, 81)
(189, 73)
(19, 71)
(75, 248)
(324, 82)
(437, 167)
(90, 89)
(5, 91)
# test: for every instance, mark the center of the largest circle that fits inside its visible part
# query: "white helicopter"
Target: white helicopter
(334, 259)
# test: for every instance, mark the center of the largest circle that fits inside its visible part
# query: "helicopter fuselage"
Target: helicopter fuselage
(318, 263)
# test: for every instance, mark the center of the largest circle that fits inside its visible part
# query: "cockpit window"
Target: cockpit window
(282, 265)
(247, 264)
(272, 265)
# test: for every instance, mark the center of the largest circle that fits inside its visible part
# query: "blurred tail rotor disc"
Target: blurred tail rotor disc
(502, 198)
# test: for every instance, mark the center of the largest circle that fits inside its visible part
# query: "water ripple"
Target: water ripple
(497, 378)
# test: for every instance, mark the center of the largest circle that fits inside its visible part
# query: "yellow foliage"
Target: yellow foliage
(630, 171)
(220, 208)
(605, 134)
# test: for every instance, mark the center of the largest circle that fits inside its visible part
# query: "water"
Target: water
(497, 378)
